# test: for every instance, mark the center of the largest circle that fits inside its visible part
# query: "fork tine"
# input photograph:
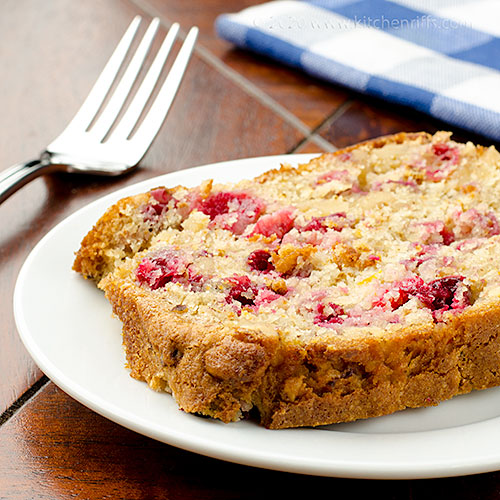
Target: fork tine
(109, 114)
(129, 119)
(159, 108)
(93, 102)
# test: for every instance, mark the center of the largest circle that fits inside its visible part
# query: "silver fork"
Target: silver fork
(82, 148)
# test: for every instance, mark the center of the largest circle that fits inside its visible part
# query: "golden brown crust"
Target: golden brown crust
(209, 368)
(377, 377)
(218, 372)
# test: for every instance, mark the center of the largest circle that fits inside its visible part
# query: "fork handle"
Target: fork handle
(20, 174)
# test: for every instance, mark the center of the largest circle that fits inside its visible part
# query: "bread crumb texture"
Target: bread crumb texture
(359, 284)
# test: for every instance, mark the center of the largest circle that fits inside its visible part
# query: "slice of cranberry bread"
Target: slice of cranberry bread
(359, 284)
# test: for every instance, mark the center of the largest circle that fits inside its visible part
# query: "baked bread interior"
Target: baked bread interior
(362, 283)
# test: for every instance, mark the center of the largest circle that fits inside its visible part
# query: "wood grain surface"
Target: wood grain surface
(56, 448)
(232, 104)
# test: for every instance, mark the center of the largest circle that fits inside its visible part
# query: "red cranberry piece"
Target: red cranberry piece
(447, 235)
(218, 206)
(242, 290)
(439, 295)
(337, 222)
(153, 210)
(315, 224)
(260, 260)
(159, 269)
(406, 289)
(194, 280)
(329, 314)
(402, 292)
(266, 296)
(146, 272)
(445, 158)
(277, 223)
(436, 232)
(443, 294)
(161, 195)
(333, 175)
(344, 156)
(473, 223)
(446, 153)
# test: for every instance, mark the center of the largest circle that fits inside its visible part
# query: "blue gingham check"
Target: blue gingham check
(441, 57)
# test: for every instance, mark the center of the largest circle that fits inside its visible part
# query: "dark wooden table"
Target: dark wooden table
(232, 104)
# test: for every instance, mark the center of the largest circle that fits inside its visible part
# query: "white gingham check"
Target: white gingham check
(441, 57)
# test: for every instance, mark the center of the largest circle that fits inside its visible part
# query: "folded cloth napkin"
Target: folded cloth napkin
(441, 57)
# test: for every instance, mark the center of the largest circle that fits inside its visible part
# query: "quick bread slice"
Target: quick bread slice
(359, 284)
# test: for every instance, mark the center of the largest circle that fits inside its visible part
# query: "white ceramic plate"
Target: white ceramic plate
(67, 326)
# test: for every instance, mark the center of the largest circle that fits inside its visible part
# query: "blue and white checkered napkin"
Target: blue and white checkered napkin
(441, 57)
